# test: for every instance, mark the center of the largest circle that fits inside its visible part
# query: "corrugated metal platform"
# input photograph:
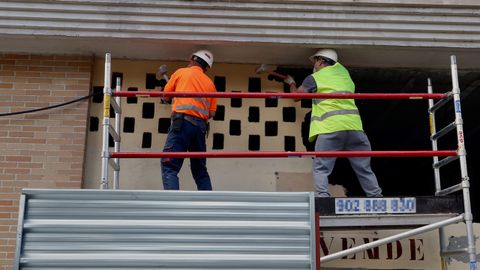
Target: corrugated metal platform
(106, 229)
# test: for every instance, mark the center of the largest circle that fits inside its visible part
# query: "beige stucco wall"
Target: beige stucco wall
(227, 174)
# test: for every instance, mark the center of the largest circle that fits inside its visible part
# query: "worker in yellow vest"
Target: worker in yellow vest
(335, 124)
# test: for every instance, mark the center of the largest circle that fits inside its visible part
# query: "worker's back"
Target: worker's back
(192, 79)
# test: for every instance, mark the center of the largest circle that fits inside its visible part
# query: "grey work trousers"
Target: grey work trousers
(350, 140)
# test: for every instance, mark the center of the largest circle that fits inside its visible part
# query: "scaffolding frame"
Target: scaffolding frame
(464, 185)
(113, 159)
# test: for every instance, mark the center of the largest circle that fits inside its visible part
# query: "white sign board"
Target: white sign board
(349, 206)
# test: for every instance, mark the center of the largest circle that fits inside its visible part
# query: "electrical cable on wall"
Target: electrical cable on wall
(50, 107)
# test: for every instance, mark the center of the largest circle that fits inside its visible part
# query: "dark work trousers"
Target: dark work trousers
(350, 140)
(188, 136)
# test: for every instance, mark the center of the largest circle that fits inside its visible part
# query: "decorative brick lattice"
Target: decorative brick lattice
(248, 120)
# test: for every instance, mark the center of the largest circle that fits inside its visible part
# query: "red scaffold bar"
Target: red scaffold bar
(274, 154)
(279, 95)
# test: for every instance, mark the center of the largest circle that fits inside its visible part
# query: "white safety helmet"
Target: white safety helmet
(327, 53)
(205, 55)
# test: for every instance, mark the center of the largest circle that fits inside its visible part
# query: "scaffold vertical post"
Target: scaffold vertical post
(107, 93)
(433, 130)
(463, 165)
(116, 172)
(436, 171)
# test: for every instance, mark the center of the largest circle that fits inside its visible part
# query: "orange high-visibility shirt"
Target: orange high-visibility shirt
(192, 79)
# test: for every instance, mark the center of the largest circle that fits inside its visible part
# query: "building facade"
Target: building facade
(52, 52)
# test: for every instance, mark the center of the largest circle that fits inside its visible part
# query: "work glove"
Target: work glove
(289, 80)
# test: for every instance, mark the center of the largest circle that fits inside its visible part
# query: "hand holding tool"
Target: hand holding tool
(162, 73)
(265, 68)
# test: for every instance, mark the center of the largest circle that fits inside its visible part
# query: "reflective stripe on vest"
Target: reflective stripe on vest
(193, 108)
(204, 101)
(332, 113)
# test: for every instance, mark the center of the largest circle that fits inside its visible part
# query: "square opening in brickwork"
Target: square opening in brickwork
(94, 123)
(98, 97)
(289, 114)
(271, 128)
(148, 110)
(129, 125)
(112, 112)
(218, 141)
(235, 127)
(147, 140)
(306, 103)
(151, 81)
(253, 114)
(254, 84)
(132, 100)
(111, 142)
(271, 102)
(116, 75)
(253, 142)
(220, 83)
(236, 102)
(220, 113)
(289, 143)
(163, 125)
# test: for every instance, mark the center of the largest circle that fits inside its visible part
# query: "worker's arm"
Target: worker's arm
(170, 86)
(211, 114)
(293, 86)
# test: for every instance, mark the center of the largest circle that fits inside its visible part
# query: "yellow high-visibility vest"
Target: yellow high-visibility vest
(331, 115)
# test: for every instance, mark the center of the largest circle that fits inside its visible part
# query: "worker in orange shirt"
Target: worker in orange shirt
(189, 121)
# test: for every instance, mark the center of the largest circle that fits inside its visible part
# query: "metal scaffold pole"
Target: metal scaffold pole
(465, 184)
(118, 112)
(436, 171)
(390, 239)
(107, 93)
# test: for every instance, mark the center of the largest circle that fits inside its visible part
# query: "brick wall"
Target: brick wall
(43, 149)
